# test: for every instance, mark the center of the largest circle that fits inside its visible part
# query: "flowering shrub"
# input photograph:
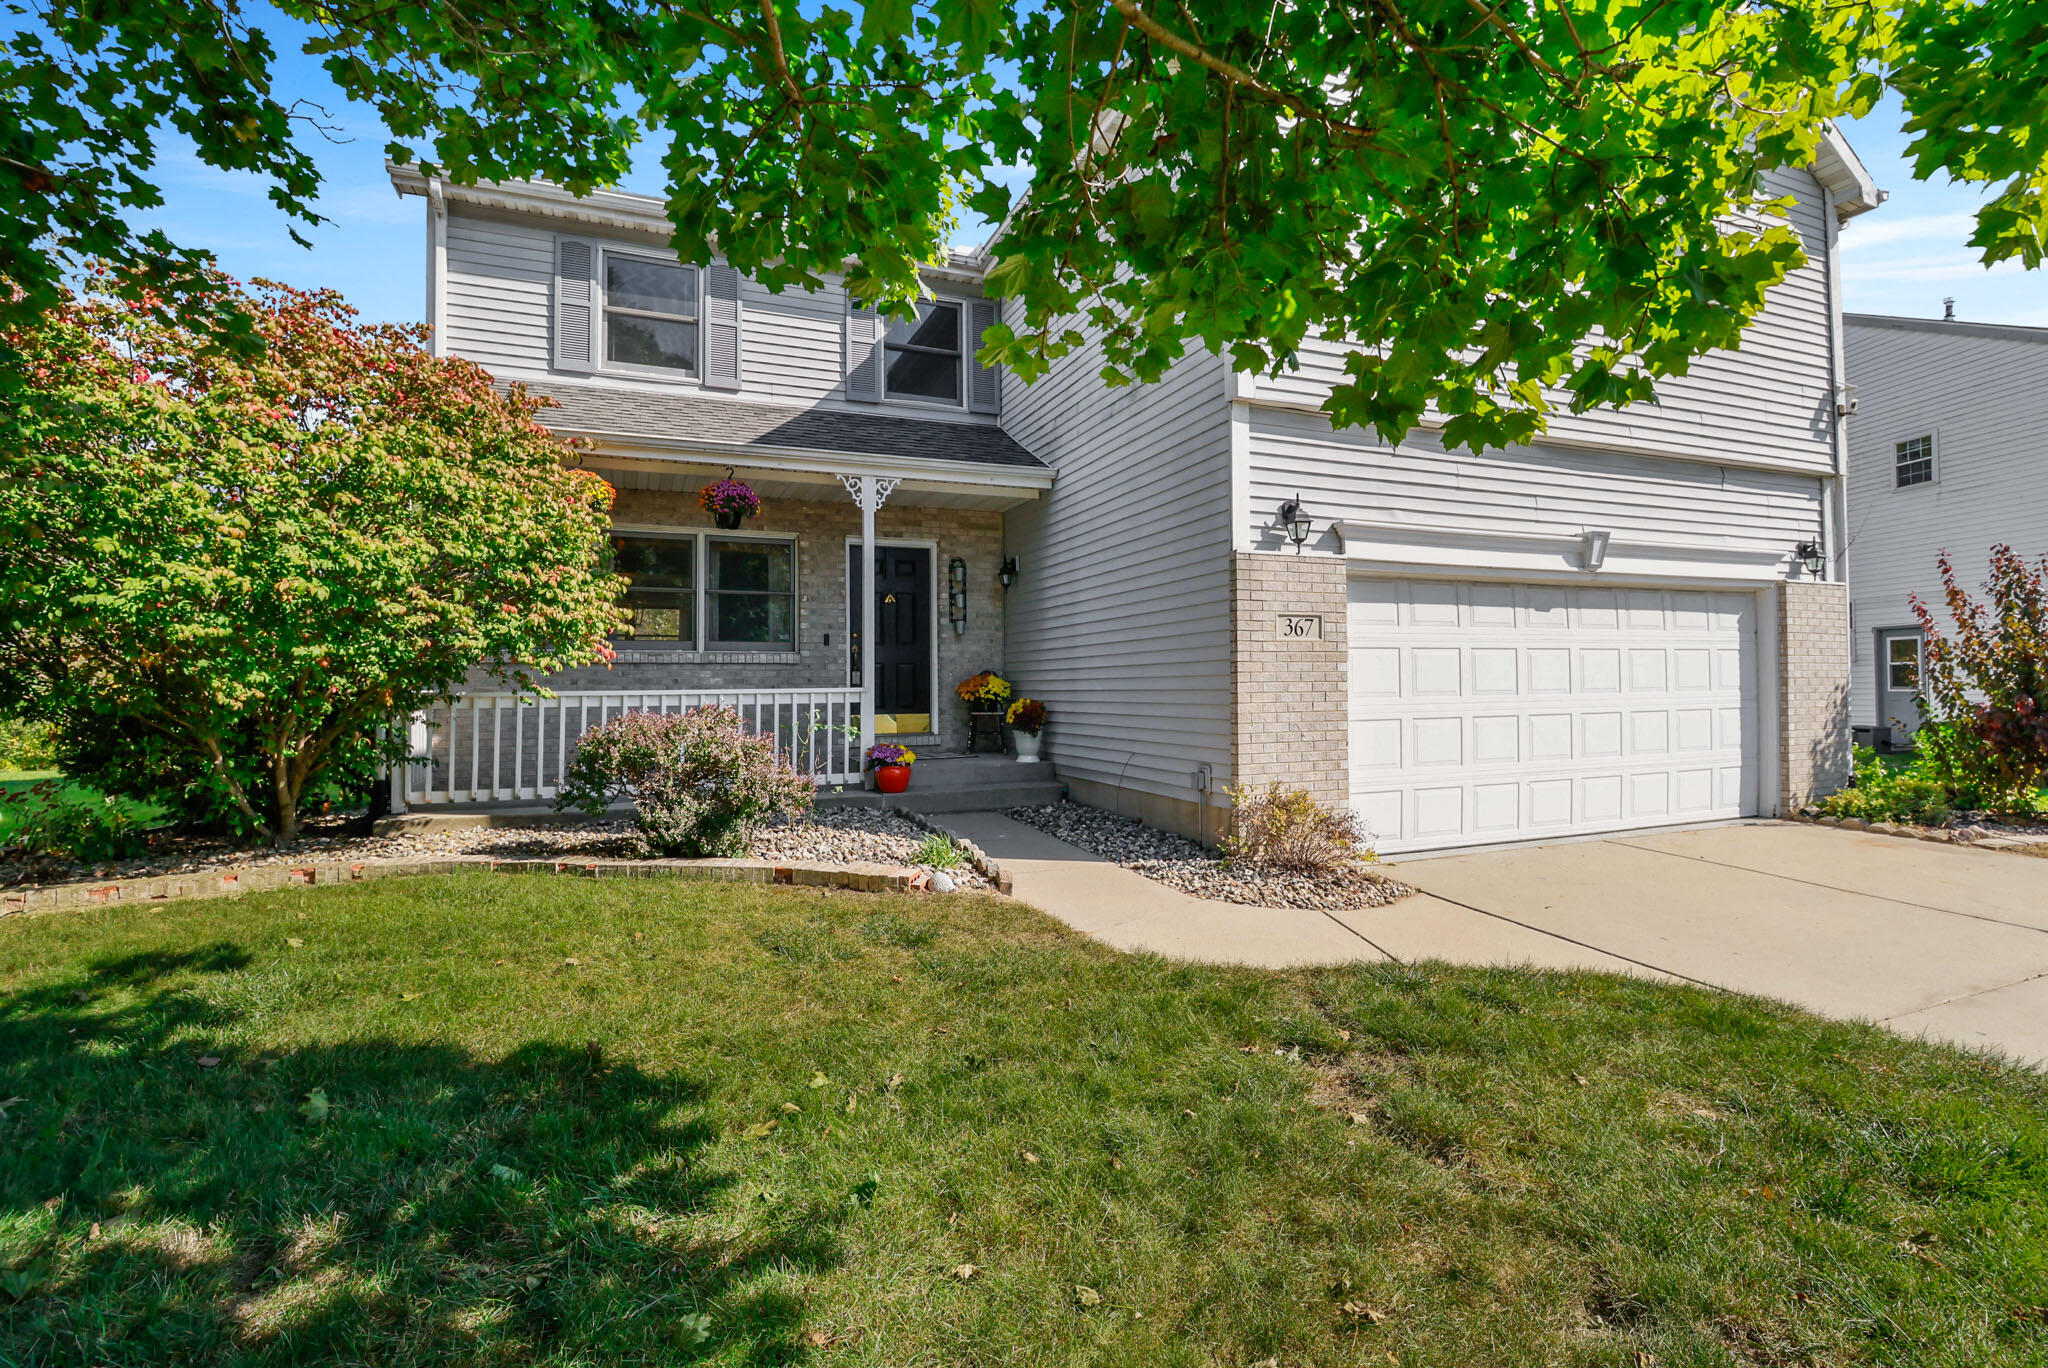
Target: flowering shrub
(988, 689)
(889, 753)
(1288, 829)
(729, 496)
(1026, 715)
(1986, 681)
(228, 579)
(700, 781)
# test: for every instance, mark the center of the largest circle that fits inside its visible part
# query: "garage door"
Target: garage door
(1497, 712)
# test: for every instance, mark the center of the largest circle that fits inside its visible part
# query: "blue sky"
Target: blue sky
(1904, 258)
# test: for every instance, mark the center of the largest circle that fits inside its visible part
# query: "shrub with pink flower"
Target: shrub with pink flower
(701, 780)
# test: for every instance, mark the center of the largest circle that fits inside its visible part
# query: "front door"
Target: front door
(1898, 680)
(903, 645)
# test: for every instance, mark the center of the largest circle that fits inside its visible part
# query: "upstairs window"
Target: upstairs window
(923, 358)
(650, 313)
(1914, 463)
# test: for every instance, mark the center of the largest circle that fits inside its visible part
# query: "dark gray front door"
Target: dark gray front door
(903, 644)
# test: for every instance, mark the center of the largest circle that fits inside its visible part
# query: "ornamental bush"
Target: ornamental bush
(1288, 829)
(1984, 683)
(1876, 793)
(228, 576)
(701, 781)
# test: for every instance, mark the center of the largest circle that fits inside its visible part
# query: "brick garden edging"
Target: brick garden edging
(2023, 845)
(229, 883)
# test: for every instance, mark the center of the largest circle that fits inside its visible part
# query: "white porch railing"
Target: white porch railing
(503, 747)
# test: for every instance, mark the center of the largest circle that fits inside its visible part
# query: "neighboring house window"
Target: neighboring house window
(923, 359)
(1915, 462)
(650, 313)
(1902, 664)
(751, 598)
(661, 574)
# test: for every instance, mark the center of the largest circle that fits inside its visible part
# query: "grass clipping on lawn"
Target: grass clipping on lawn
(477, 1120)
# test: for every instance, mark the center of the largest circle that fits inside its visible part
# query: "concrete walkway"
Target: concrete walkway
(1928, 939)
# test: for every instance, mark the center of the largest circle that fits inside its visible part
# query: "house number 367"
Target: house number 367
(1300, 627)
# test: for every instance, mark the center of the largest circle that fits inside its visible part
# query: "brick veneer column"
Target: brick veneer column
(1289, 716)
(1813, 690)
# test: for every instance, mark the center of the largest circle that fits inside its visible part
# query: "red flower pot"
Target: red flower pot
(892, 778)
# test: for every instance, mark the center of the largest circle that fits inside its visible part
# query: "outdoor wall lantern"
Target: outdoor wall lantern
(956, 595)
(1812, 557)
(1296, 520)
(1008, 574)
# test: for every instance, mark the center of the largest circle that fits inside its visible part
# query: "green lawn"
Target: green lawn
(487, 1120)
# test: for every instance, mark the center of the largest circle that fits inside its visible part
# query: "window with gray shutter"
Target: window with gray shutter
(721, 327)
(984, 383)
(575, 304)
(863, 353)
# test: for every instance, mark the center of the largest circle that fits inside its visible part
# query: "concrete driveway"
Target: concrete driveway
(1926, 938)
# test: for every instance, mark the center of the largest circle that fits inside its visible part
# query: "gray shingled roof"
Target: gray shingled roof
(589, 409)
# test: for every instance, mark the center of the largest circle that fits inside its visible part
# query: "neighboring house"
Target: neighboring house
(1949, 451)
(1606, 630)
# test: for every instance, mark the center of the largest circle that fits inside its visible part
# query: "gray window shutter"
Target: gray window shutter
(863, 353)
(721, 324)
(576, 304)
(984, 383)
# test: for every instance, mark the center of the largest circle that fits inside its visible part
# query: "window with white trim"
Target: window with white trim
(1913, 463)
(661, 592)
(923, 359)
(702, 591)
(1902, 664)
(751, 594)
(650, 313)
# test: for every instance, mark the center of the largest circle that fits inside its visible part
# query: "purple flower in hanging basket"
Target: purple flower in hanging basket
(731, 497)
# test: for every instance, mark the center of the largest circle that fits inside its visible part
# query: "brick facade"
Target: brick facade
(821, 529)
(1290, 696)
(1813, 690)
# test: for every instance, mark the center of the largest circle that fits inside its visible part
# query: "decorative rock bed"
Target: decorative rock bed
(873, 849)
(1182, 864)
(1981, 831)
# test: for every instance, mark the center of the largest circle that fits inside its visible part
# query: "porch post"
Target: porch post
(870, 493)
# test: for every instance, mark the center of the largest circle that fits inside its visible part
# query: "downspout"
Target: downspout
(1835, 489)
(437, 268)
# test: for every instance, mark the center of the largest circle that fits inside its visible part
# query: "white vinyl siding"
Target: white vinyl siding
(1350, 475)
(1120, 617)
(1769, 401)
(499, 298)
(1985, 400)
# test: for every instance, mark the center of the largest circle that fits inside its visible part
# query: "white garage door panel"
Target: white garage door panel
(1490, 712)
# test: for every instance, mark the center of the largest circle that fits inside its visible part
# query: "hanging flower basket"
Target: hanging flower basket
(729, 502)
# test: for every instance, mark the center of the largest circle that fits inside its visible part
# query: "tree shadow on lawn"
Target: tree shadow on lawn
(366, 1200)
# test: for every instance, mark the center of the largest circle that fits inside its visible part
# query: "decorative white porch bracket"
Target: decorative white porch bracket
(870, 493)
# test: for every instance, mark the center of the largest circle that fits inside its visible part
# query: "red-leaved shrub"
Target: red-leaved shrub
(1985, 682)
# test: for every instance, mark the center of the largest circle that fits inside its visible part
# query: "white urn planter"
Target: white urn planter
(1027, 746)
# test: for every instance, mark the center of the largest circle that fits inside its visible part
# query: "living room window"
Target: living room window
(661, 574)
(751, 594)
(692, 591)
(650, 314)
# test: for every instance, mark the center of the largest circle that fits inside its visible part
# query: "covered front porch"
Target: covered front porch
(770, 617)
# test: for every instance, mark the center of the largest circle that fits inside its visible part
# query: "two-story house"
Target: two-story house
(1949, 452)
(1207, 584)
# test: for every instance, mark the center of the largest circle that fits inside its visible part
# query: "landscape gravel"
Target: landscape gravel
(1181, 863)
(827, 836)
